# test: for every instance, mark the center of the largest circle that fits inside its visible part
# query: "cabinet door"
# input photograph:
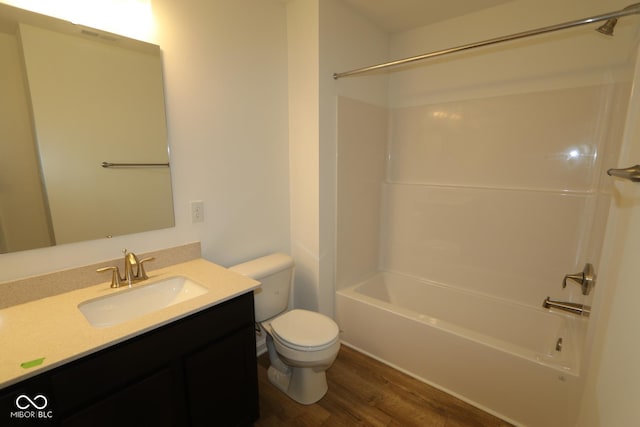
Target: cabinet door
(149, 402)
(222, 382)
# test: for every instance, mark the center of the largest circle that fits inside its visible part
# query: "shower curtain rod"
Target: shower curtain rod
(629, 10)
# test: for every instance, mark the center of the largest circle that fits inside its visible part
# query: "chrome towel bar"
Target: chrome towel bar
(132, 165)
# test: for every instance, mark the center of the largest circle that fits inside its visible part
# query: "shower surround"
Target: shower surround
(456, 219)
(467, 195)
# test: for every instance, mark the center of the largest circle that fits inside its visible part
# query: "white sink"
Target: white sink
(141, 299)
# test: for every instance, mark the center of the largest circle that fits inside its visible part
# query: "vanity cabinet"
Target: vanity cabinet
(197, 371)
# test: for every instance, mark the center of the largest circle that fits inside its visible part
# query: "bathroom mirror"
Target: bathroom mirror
(72, 99)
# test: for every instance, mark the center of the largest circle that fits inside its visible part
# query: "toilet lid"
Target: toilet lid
(305, 329)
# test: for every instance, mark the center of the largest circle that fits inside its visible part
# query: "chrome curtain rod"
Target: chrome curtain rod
(629, 10)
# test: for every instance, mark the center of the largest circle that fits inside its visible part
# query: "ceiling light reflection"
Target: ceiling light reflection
(131, 18)
(583, 152)
(445, 115)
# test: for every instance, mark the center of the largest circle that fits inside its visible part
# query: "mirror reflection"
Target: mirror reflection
(73, 99)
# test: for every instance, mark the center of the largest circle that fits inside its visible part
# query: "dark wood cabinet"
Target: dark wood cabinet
(222, 404)
(147, 402)
(197, 371)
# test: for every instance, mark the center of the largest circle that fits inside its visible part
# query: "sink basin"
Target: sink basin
(142, 299)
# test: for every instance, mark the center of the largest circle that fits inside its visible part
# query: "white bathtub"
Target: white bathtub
(517, 362)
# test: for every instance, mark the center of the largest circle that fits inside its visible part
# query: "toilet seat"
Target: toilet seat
(305, 330)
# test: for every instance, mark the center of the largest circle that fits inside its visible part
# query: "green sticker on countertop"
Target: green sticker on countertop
(32, 363)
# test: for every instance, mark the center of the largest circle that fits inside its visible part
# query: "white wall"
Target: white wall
(302, 25)
(226, 77)
(324, 37)
(225, 64)
(346, 41)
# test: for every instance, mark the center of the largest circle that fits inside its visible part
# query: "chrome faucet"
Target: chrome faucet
(571, 307)
(133, 270)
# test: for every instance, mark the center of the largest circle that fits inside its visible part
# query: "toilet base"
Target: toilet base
(279, 379)
(304, 385)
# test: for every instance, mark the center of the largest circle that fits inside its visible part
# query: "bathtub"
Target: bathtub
(517, 362)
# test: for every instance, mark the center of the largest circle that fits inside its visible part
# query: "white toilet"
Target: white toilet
(302, 344)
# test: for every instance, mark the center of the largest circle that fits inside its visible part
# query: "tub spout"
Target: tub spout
(571, 307)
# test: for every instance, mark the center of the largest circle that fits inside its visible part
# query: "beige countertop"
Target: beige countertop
(53, 328)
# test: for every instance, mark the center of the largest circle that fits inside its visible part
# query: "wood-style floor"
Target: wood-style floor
(365, 392)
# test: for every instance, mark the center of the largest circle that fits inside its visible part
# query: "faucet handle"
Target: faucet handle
(586, 279)
(141, 273)
(115, 275)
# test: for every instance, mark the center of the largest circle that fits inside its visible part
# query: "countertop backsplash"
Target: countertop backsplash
(32, 288)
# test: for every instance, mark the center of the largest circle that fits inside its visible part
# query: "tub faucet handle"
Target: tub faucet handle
(586, 279)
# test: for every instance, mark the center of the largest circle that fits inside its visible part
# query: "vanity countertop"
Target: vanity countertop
(53, 328)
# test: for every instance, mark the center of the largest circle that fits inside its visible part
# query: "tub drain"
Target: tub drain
(559, 344)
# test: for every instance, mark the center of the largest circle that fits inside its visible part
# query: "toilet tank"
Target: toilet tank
(275, 273)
